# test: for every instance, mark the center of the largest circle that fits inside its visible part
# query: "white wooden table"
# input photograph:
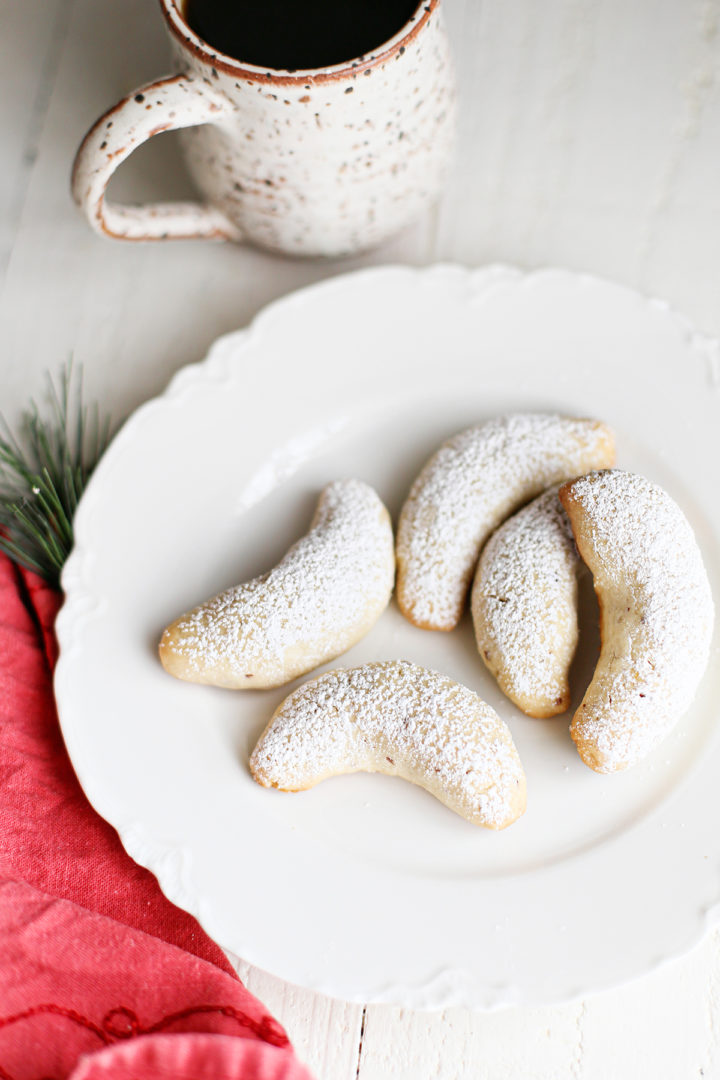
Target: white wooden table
(590, 138)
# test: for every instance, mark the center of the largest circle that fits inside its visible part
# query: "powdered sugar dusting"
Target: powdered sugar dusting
(657, 615)
(401, 719)
(469, 486)
(319, 600)
(524, 606)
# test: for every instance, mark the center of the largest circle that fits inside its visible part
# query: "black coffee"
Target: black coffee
(291, 35)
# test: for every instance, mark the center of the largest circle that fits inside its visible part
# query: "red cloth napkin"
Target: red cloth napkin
(100, 975)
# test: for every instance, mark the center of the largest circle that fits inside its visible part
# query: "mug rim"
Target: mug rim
(219, 61)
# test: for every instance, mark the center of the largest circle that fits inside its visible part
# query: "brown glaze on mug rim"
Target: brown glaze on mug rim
(217, 61)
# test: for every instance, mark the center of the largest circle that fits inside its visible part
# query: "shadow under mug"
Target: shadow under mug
(329, 161)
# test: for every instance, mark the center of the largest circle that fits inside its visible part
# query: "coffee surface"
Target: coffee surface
(295, 35)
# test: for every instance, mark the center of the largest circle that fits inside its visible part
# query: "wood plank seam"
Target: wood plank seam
(579, 1059)
(49, 67)
(360, 1043)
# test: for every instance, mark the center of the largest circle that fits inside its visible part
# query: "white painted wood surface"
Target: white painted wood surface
(589, 137)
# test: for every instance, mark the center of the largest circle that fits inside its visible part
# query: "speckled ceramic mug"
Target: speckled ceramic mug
(323, 162)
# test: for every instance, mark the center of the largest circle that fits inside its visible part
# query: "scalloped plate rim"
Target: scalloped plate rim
(421, 993)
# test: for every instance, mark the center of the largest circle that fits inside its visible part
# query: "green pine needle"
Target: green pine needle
(44, 472)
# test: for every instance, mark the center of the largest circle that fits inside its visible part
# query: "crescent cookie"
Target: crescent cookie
(396, 718)
(468, 487)
(656, 615)
(322, 597)
(524, 606)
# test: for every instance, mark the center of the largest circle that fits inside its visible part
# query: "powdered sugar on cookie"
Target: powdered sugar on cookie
(321, 598)
(401, 719)
(656, 615)
(524, 606)
(470, 485)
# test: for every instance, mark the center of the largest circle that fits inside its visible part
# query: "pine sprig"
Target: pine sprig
(44, 472)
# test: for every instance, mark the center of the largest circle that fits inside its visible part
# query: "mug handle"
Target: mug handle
(176, 101)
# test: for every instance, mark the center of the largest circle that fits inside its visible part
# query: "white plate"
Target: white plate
(365, 887)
